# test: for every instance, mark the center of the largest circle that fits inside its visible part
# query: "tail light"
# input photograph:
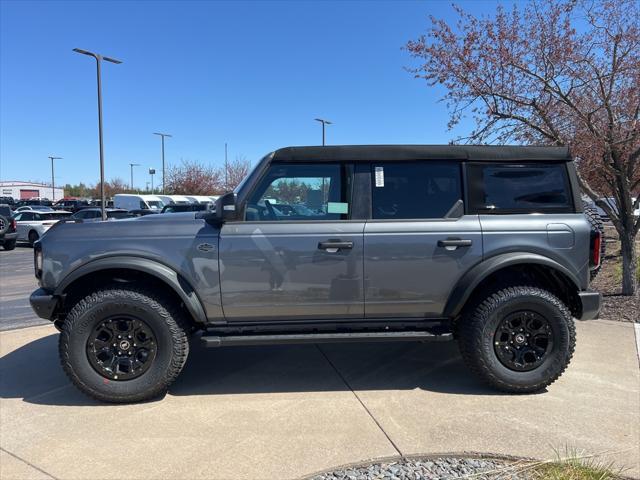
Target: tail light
(596, 243)
(13, 225)
(37, 259)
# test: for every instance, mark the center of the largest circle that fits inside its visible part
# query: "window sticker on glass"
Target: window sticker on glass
(338, 207)
(379, 176)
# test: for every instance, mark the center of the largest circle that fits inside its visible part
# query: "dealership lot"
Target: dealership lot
(288, 411)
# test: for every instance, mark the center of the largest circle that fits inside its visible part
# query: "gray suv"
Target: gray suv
(487, 245)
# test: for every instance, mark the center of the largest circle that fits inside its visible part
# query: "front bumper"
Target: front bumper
(43, 303)
(591, 304)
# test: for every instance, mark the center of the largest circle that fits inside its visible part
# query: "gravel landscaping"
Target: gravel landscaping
(428, 469)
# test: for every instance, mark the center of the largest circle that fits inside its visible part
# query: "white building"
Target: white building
(26, 190)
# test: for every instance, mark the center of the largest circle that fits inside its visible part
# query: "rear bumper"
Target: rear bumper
(8, 237)
(43, 303)
(591, 304)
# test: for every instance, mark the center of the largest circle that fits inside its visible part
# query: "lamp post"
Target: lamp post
(323, 122)
(133, 165)
(152, 172)
(99, 59)
(162, 135)
(53, 182)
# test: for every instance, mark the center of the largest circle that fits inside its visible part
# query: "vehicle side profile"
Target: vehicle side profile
(32, 224)
(486, 245)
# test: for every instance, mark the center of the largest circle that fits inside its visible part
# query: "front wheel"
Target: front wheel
(519, 339)
(124, 344)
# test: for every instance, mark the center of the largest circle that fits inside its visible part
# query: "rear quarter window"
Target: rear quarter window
(519, 188)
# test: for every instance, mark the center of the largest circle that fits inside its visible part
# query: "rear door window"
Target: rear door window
(415, 190)
(519, 188)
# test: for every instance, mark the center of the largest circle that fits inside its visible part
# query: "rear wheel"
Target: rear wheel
(10, 245)
(519, 340)
(33, 237)
(124, 344)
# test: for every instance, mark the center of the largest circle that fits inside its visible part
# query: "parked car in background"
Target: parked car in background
(189, 207)
(141, 212)
(98, 203)
(129, 201)
(34, 201)
(8, 233)
(34, 208)
(95, 214)
(32, 226)
(199, 198)
(174, 199)
(7, 201)
(71, 205)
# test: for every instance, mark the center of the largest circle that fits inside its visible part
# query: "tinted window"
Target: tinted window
(301, 192)
(415, 189)
(25, 216)
(525, 188)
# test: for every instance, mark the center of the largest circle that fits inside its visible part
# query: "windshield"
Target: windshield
(118, 215)
(155, 203)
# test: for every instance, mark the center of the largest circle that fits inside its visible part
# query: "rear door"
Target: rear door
(297, 254)
(419, 242)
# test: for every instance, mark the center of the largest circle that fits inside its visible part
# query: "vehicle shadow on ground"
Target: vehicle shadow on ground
(33, 372)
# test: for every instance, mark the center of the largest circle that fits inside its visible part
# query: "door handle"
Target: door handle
(335, 245)
(454, 242)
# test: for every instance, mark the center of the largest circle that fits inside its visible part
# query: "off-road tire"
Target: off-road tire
(597, 225)
(9, 245)
(33, 237)
(477, 327)
(165, 319)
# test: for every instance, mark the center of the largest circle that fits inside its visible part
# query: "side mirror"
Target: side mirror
(226, 208)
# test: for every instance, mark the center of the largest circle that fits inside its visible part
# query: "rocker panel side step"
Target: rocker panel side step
(232, 340)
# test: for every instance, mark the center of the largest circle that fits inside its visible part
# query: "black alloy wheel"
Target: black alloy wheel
(522, 340)
(121, 348)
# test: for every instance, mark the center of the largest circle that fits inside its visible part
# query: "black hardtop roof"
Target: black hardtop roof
(378, 153)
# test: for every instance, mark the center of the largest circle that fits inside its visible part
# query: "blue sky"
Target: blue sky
(252, 74)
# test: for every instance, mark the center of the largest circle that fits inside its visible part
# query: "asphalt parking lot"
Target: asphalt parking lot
(288, 411)
(16, 284)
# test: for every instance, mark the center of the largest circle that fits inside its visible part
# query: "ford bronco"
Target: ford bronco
(487, 245)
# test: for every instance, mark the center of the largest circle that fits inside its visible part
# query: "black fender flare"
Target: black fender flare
(162, 272)
(471, 279)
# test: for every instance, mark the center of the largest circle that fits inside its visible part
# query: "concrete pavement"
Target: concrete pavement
(288, 411)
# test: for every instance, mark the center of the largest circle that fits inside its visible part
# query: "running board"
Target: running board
(232, 340)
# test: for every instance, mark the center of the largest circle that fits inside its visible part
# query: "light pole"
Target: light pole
(323, 122)
(152, 172)
(99, 59)
(226, 169)
(133, 165)
(162, 135)
(53, 182)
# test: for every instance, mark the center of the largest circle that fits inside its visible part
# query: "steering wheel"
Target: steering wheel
(270, 210)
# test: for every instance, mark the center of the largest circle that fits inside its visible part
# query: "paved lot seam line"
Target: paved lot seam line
(28, 463)
(359, 400)
(636, 329)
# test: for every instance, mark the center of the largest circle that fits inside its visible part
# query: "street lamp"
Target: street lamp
(99, 59)
(53, 182)
(152, 172)
(162, 135)
(133, 165)
(323, 122)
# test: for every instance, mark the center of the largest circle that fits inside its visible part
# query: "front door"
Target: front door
(296, 255)
(418, 242)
